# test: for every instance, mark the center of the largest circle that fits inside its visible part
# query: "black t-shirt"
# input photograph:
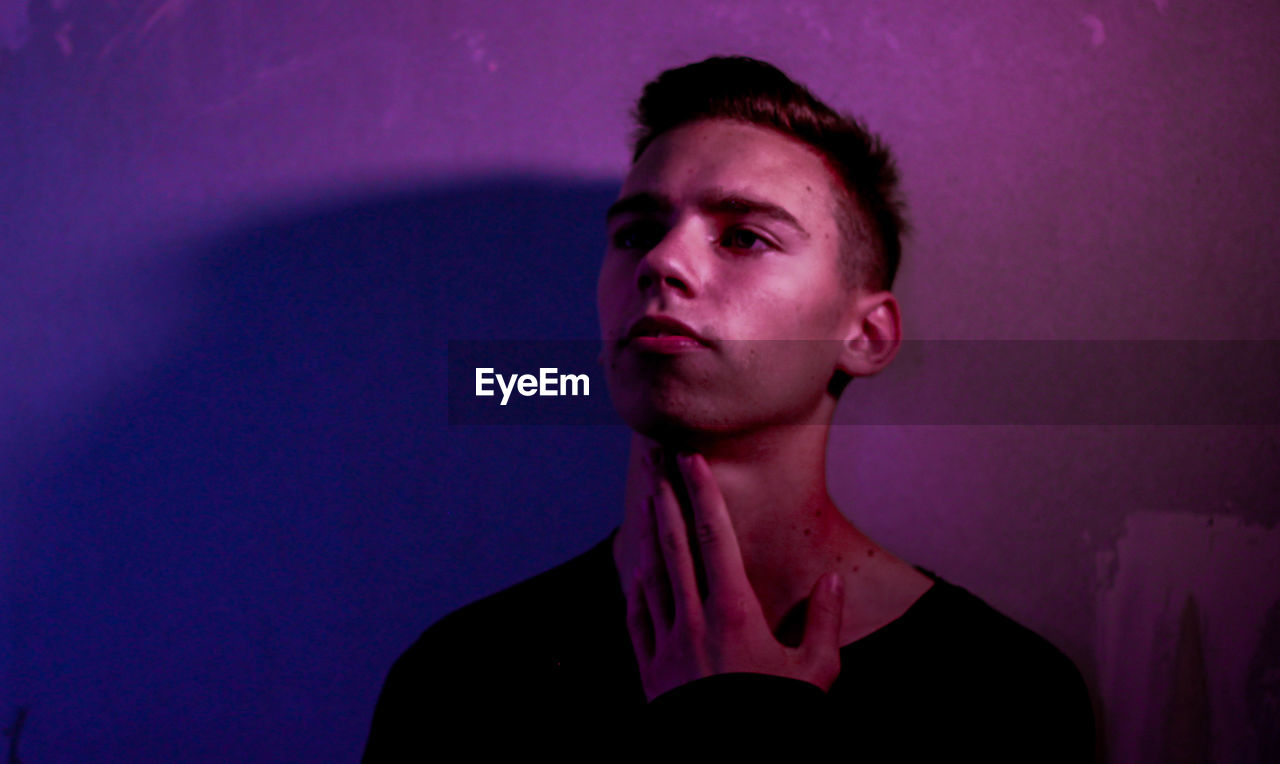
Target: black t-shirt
(547, 666)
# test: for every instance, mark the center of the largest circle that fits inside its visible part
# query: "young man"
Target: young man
(745, 281)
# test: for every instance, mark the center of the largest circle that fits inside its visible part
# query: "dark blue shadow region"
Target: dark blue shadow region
(222, 562)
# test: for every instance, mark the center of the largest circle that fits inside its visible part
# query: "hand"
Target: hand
(678, 634)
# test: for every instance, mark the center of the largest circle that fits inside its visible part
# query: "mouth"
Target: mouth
(663, 334)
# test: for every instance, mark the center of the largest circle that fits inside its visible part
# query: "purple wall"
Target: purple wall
(236, 236)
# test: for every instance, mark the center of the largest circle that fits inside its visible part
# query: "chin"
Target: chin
(693, 427)
(680, 422)
(671, 425)
(686, 409)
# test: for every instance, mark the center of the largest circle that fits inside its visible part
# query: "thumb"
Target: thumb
(821, 645)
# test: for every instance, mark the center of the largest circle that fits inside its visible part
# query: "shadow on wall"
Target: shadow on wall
(228, 554)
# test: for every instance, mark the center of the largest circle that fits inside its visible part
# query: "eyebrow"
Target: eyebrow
(638, 204)
(716, 201)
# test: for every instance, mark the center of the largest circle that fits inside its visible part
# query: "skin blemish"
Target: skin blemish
(808, 532)
(871, 553)
(855, 568)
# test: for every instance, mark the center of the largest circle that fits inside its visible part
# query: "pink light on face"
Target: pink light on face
(666, 345)
(727, 227)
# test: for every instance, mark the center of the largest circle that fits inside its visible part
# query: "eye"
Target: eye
(744, 239)
(640, 235)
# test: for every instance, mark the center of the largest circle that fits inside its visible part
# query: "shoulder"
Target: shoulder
(976, 629)
(954, 632)
(498, 657)
(527, 614)
(975, 674)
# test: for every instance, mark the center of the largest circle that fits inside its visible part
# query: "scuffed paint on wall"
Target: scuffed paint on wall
(1097, 30)
(1262, 694)
(1183, 607)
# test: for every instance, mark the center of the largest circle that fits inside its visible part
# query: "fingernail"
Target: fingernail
(835, 583)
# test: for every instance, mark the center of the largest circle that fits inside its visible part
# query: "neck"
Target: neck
(774, 484)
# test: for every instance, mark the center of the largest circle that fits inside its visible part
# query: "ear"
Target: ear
(873, 334)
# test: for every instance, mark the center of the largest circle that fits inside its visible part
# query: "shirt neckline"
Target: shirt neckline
(922, 604)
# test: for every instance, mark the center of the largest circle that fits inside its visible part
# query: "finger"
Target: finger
(822, 625)
(673, 539)
(653, 573)
(639, 623)
(717, 543)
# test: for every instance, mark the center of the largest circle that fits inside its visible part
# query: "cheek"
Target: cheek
(788, 315)
(795, 343)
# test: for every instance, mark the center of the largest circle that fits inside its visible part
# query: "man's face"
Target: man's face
(727, 228)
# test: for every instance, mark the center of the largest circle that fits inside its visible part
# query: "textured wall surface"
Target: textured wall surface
(235, 236)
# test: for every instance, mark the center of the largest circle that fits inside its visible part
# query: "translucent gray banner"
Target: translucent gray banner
(930, 382)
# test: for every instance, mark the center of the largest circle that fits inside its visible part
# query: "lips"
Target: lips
(662, 326)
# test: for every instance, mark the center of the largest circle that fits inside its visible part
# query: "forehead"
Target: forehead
(684, 163)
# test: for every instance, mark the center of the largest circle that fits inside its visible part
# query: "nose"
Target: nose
(671, 263)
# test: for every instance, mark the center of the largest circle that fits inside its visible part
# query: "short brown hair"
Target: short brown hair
(752, 91)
